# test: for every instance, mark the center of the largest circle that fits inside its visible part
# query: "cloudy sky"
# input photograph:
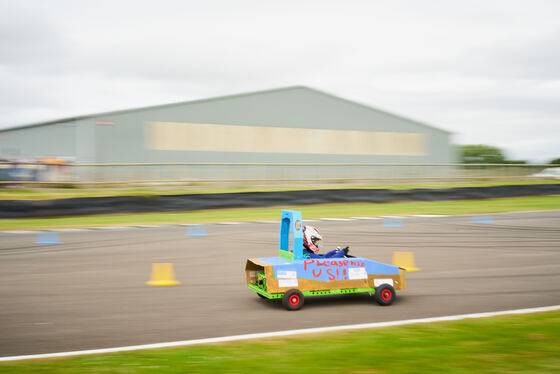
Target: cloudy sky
(489, 71)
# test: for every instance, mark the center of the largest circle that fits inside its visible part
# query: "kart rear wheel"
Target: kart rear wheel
(292, 299)
(385, 294)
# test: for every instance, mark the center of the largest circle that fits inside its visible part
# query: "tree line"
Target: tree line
(486, 154)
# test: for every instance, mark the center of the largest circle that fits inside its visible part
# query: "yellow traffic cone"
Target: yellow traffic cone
(405, 260)
(162, 275)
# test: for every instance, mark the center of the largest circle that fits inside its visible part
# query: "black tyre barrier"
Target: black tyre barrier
(191, 202)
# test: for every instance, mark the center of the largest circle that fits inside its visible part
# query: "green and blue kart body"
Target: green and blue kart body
(272, 277)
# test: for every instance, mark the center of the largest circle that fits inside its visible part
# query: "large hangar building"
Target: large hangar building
(286, 125)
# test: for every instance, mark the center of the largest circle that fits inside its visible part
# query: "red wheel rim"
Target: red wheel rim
(294, 300)
(386, 295)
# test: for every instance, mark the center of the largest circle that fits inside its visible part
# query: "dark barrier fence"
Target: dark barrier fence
(185, 203)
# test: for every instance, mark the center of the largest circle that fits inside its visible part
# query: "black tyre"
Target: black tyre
(385, 294)
(292, 299)
(262, 296)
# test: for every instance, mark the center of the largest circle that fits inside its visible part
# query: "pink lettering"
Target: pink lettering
(331, 275)
(317, 275)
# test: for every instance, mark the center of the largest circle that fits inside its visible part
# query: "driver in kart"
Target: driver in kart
(311, 238)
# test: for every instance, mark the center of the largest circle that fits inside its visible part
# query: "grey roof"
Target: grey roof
(124, 111)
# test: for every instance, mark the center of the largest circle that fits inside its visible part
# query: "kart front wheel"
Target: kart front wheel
(292, 299)
(385, 294)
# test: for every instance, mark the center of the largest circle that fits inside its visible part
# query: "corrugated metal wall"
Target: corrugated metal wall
(55, 140)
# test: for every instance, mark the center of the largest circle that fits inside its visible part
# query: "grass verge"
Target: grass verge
(309, 212)
(508, 344)
(67, 193)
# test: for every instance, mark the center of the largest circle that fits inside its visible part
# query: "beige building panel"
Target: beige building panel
(177, 136)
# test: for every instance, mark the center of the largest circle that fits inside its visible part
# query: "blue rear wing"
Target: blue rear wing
(291, 222)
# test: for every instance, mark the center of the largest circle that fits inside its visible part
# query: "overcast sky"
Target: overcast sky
(488, 71)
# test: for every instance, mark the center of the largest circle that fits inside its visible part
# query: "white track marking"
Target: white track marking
(238, 223)
(429, 215)
(19, 232)
(112, 228)
(282, 333)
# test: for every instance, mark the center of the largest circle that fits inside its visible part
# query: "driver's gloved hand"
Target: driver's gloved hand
(345, 250)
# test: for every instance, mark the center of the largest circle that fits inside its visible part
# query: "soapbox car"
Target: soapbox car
(291, 276)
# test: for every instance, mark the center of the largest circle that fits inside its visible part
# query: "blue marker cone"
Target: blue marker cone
(392, 222)
(196, 230)
(482, 218)
(48, 237)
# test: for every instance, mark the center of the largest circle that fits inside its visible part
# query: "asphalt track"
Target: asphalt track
(89, 292)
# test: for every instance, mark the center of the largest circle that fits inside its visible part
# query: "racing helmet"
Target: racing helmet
(311, 237)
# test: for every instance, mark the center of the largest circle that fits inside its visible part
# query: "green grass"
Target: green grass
(309, 212)
(66, 193)
(508, 344)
